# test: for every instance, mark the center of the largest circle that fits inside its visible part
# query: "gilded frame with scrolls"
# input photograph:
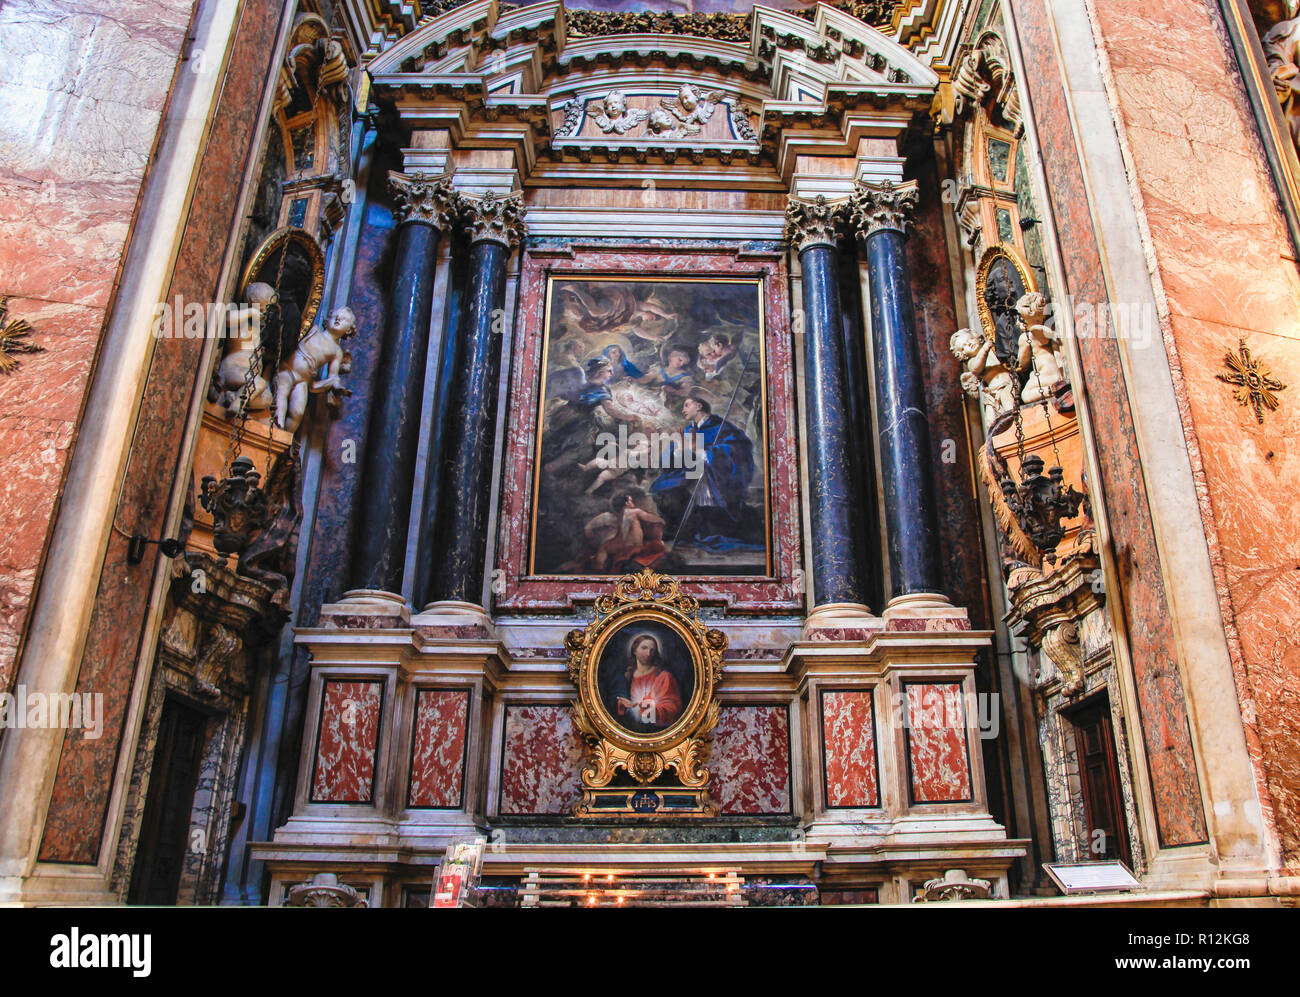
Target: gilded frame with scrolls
(998, 251)
(666, 765)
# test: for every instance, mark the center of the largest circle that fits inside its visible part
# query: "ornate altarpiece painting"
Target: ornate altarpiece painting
(650, 427)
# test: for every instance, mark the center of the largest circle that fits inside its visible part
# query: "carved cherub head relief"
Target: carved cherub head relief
(613, 115)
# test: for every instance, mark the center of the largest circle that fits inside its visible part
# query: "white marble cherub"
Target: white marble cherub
(692, 108)
(297, 377)
(984, 375)
(245, 330)
(1036, 350)
(613, 115)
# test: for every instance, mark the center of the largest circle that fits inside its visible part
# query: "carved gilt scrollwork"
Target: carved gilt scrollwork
(626, 747)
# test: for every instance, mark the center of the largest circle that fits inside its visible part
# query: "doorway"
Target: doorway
(165, 824)
(1094, 744)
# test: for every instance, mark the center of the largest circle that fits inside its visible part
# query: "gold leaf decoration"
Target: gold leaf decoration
(13, 339)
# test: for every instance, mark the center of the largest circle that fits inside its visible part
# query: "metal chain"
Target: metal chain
(258, 360)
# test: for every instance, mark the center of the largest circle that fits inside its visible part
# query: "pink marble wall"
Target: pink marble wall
(346, 742)
(749, 765)
(84, 783)
(1226, 268)
(83, 84)
(522, 592)
(851, 777)
(541, 772)
(937, 752)
(438, 748)
(1166, 733)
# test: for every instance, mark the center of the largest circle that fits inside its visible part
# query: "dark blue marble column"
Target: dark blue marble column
(880, 213)
(453, 569)
(391, 442)
(835, 506)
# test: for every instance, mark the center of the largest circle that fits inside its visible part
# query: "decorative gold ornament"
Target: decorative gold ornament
(13, 339)
(997, 303)
(1252, 383)
(646, 669)
(280, 241)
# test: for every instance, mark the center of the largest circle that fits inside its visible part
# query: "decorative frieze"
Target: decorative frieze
(725, 27)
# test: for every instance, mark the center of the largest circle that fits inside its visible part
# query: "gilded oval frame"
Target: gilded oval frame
(283, 237)
(694, 711)
(995, 252)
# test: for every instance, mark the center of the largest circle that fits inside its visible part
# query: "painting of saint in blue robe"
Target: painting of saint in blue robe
(651, 449)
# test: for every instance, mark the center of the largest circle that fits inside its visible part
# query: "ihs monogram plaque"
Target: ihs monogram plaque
(647, 671)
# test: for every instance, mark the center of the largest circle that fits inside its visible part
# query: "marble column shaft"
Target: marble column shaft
(453, 569)
(389, 466)
(835, 507)
(879, 215)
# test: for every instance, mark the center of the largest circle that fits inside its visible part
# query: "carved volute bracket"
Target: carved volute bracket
(987, 68)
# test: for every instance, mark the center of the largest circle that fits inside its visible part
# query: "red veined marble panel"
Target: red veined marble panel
(849, 747)
(936, 743)
(750, 762)
(542, 758)
(438, 748)
(346, 743)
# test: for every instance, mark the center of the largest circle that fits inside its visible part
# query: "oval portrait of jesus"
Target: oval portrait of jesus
(645, 676)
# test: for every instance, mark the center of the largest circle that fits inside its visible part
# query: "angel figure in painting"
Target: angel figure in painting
(654, 696)
(613, 115)
(692, 108)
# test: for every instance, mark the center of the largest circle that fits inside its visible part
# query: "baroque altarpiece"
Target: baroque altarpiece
(688, 449)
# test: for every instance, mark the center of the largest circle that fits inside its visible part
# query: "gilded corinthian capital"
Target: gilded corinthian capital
(811, 223)
(494, 218)
(422, 198)
(875, 207)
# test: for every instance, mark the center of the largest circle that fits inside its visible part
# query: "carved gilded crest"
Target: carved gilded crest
(647, 670)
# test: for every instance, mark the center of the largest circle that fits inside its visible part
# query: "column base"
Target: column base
(924, 611)
(840, 616)
(367, 609)
(451, 613)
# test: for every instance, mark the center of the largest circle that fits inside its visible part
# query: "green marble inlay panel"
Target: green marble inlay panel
(1006, 230)
(999, 159)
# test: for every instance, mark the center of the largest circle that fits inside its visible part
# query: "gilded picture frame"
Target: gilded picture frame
(646, 669)
(264, 267)
(1010, 281)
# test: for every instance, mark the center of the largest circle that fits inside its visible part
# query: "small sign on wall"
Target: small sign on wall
(1092, 877)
